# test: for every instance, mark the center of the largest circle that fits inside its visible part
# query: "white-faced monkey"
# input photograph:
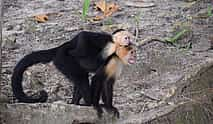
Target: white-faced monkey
(85, 53)
(102, 82)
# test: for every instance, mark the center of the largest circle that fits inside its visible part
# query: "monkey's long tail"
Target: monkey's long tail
(43, 56)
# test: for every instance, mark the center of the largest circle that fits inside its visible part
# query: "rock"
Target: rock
(10, 42)
(45, 114)
(4, 98)
(55, 113)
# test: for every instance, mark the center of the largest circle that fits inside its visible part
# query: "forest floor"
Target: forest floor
(150, 84)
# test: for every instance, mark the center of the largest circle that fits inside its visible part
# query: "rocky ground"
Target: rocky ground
(168, 85)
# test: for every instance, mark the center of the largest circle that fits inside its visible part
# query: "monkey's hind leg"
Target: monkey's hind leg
(107, 97)
(96, 88)
(76, 96)
(76, 74)
(82, 90)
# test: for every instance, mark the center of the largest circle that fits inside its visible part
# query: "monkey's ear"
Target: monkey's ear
(118, 30)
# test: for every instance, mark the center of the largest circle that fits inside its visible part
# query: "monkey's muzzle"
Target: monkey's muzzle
(132, 59)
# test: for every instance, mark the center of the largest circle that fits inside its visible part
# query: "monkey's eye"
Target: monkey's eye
(127, 38)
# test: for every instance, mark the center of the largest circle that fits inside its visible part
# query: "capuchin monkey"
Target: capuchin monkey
(91, 62)
(85, 53)
(103, 81)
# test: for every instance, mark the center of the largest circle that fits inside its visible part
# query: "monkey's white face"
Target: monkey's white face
(127, 54)
(123, 38)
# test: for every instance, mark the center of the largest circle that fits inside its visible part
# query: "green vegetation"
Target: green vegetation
(85, 8)
(176, 37)
(209, 11)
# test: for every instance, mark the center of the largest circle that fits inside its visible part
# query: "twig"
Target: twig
(136, 34)
(152, 39)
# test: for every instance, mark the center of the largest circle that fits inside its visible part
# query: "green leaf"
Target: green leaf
(176, 37)
(167, 39)
(209, 12)
(85, 8)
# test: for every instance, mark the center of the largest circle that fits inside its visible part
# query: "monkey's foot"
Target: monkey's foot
(99, 111)
(114, 111)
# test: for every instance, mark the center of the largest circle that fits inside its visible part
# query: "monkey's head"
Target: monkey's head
(127, 54)
(123, 37)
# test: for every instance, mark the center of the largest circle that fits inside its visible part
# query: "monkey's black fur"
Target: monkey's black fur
(43, 56)
(118, 30)
(102, 87)
(75, 59)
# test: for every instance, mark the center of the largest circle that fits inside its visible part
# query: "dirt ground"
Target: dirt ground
(141, 87)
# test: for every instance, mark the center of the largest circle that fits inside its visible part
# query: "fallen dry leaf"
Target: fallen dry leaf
(98, 18)
(101, 5)
(107, 9)
(111, 8)
(41, 18)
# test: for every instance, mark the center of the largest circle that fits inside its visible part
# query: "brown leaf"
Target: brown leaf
(111, 8)
(107, 8)
(101, 5)
(98, 18)
(41, 18)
